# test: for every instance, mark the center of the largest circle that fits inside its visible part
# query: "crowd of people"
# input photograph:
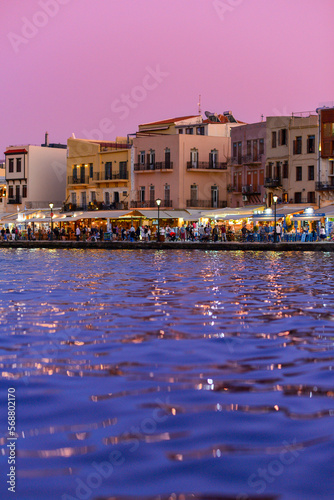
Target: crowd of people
(186, 232)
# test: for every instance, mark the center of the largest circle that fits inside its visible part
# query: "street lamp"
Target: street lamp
(158, 202)
(51, 215)
(275, 234)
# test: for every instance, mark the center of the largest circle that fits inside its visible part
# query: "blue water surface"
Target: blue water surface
(168, 374)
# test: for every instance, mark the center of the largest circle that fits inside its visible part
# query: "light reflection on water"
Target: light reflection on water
(202, 370)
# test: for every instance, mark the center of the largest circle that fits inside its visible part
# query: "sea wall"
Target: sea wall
(127, 245)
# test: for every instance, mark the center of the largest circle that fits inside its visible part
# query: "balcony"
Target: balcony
(324, 186)
(206, 165)
(14, 201)
(98, 205)
(272, 183)
(159, 165)
(247, 160)
(206, 204)
(249, 189)
(84, 179)
(112, 176)
(151, 204)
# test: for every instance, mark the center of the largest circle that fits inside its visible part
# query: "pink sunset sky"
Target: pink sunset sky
(98, 68)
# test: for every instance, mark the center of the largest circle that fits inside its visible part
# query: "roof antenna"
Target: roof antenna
(199, 105)
(262, 118)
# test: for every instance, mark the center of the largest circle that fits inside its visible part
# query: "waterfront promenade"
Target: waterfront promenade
(327, 246)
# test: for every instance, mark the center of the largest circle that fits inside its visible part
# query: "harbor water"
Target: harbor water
(159, 374)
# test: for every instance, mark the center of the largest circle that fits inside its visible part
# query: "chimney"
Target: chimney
(46, 144)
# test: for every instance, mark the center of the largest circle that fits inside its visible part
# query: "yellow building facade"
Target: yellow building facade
(98, 174)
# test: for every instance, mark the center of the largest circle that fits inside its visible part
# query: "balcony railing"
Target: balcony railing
(151, 204)
(78, 180)
(112, 176)
(271, 183)
(98, 205)
(247, 159)
(206, 165)
(14, 201)
(249, 189)
(206, 204)
(158, 165)
(324, 186)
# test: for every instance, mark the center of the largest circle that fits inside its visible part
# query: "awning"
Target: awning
(327, 211)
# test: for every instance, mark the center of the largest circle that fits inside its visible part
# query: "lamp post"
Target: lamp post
(275, 234)
(158, 202)
(51, 215)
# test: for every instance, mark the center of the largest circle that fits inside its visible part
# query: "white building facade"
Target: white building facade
(35, 176)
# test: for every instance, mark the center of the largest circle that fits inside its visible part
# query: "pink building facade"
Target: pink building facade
(247, 165)
(185, 167)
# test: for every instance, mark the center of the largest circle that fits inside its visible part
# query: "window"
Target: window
(297, 146)
(107, 198)
(249, 148)
(213, 158)
(269, 170)
(11, 165)
(311, 197)
(285, 170)
(282, 137)
(180, 130)
(10, 192)
(107, 170)
(261, 146)
(82, 173)
(142, 158)
(285, 198)
(298, 197)
(194, 158)
(18, 164)
(235, 149)
(167, 157)
(189, 130)
(299, 173)
(83, 199)
(75, 172)
(91, 170)
(273, 139)
(152, 195)
(167, 195)
(93, 196)
(200, 131)
(311, 173)
(142, 194)
(214, 196)
(277, 170)
(123, 172)
(193, 193)
(255, 155)
(151, 158)
(311, 144)
(24, 191)
(116, 197)
(74, 198)
(239, 153)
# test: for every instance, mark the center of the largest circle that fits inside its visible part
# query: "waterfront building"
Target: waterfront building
(325, 167)
(35, 176)
(291, 159)
(183, 161)
(247, 165)
(98, 174)
(2, 185)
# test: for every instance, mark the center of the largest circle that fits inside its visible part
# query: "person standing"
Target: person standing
(77, 233)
